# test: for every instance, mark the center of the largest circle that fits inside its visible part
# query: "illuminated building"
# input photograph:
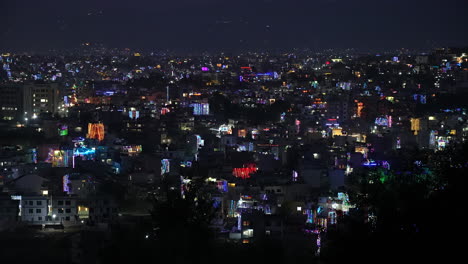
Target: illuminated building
(165, 166)
(96, 131)
(132, 150)
(332, 217)
(432, 138)
(34, 209)
(319, 104)
(363, 150)
(63, 130)
(83, 212)
(295, 176)
(40, 98)
(298, 126)
(66, 183)
(337, 132)
(255, 133)
(225, 129)
(11, 102)
(64, 208)
(442, 142)
(267, 76)
(60, 158)
(200, 108)
(242, 133)
(360, 106)
(165, 110)
(84, 153)
(415, 125)
(359, 137)
(384, 121)
(133, 114)
(245, 172)
(247, 74)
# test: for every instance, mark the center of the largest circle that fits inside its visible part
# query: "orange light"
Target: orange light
(96, 131)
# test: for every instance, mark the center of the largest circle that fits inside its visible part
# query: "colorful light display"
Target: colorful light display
(96, 131)
(360, 106)
(59, 158)
(63, 130)
(200, 108)
(86, 153)
(134, 114)
(186, 164)
(384, 121)
(66, 182)
(245, 172)
(132, 150)
(373, 163)
(295, 176)
(165, 110)
(165, 166)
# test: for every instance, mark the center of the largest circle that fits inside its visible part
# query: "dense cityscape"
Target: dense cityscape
(108, 155)
(289, 152)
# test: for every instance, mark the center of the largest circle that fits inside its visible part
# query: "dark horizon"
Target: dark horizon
(207, 25)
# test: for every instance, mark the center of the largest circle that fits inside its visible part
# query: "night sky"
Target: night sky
(238, 24)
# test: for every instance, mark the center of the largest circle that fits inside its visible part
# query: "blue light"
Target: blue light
(82, 151)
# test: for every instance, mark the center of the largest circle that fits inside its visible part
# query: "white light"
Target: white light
(334, 206)
(54, 215)
(299, 208)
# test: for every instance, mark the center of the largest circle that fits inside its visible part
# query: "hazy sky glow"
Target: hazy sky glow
(218, 24)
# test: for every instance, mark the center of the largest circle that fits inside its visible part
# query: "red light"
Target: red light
(245, 172)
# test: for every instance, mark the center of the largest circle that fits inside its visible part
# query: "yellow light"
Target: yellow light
(337, 132)
(415, 125)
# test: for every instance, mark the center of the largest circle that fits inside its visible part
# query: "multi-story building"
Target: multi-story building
(34, 209)
(22, 102)
(64, 208)
(9, 209)
(11, 102)
(98, 210)
(48, 209)
(40, 98)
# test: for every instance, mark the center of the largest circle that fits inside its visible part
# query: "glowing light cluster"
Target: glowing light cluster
(165, 110)
(66, 181)
(360, 106)
(415, 125)
(201, 108)
(63, 130)
(165, 166)
(96, 131)
(132, 150)
(384, 121)
(59, 158)
(245, 172)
